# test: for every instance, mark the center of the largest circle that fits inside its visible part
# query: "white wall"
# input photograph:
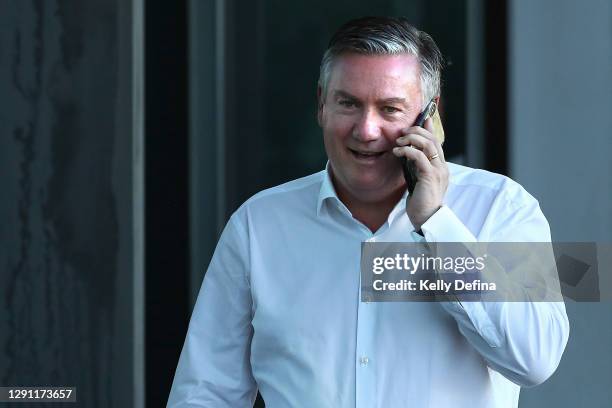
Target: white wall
(560, 57)
(561, 112)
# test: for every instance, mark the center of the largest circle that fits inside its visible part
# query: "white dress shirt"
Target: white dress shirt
(279, 309)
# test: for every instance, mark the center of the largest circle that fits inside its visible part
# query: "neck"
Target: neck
(372, 211)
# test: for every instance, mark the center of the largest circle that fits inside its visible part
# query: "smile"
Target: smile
(368, 156)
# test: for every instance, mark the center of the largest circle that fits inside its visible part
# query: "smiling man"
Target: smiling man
(367, 106)
(280, 310)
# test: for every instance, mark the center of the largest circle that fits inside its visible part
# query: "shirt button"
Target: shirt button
(364, 361)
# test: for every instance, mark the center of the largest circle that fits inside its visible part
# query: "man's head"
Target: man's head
(376, 76)
(386, 36)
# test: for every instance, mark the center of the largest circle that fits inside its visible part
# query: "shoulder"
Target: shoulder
(482, 184)
(296, 196)
(495, 207)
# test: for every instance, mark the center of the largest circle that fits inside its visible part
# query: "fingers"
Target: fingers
(411, 153)
(423, 140)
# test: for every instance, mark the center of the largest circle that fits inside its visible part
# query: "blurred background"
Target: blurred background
(131, 130)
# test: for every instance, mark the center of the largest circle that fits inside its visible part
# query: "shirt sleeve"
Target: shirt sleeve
(523, 341)
(214, 368)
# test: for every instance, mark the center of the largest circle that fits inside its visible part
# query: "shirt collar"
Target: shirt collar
(399, 208)
(328, 191)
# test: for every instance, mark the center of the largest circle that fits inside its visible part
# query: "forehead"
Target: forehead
(376, 75)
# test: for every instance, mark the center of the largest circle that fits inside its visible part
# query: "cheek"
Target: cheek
(338, 128)
(394, 131)
(334, 143)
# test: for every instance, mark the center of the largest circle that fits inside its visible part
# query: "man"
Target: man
(280, 309)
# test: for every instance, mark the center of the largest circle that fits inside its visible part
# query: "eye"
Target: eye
(391, 109)
(347, 103)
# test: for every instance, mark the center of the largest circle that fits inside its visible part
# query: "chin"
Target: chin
(378, 177)
(367, 184)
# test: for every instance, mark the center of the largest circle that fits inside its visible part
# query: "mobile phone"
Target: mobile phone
(409, 167)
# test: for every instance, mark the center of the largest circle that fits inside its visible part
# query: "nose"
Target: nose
(368, 127)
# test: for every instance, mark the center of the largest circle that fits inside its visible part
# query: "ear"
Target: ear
(320, 103)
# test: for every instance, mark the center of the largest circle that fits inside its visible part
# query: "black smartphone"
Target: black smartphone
(409, 167)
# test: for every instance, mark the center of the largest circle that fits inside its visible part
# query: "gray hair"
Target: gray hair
(386, 36)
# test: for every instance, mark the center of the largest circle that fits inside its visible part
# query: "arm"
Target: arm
(214, 368)
(523, 341)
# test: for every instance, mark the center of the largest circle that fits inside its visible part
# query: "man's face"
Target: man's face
(369, 100)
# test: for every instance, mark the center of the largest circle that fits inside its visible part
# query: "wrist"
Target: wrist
(419, 224)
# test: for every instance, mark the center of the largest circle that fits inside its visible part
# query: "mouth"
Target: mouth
(367, 156)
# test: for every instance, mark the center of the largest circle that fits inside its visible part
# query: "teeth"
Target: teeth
(367, 154)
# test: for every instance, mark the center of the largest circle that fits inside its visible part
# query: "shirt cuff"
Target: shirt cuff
(445, 226)
(473, 314)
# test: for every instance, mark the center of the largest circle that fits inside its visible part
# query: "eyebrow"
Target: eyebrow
(344, 94)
